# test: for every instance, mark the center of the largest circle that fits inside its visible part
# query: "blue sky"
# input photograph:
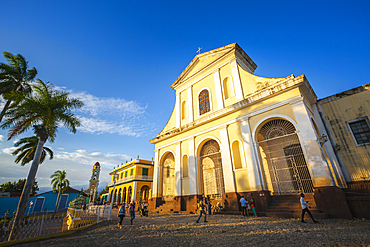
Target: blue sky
(120, 58)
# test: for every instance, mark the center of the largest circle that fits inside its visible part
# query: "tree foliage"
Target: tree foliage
(59, 181)
(105, 190)
(15, 76)
(17, 187)
(44, 110)
(26, 152)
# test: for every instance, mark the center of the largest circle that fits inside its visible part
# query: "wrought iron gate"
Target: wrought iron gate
(211, 170)
(283, 161)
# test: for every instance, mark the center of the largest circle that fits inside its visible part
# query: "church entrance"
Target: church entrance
(168, 177)
(211, 170)
(283, 163)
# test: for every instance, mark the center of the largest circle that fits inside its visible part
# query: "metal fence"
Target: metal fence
(48, 224)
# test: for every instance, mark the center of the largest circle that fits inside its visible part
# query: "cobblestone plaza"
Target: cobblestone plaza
(220, 230)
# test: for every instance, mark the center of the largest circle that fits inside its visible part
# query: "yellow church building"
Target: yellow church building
(233, 133)
(131, 181)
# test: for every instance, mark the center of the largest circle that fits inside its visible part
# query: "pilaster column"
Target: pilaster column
(227, 167)
(190, 104)
(155, 174)
(134, 190)
(311, 148)
(193, 174)
(178, 170)
(236, 79)
(250, 156)
(219, 98)
(178, 110)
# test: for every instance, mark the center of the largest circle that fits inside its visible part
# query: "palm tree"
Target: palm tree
(45, 110)
(59, 183)
(26, 152)
(14, 76)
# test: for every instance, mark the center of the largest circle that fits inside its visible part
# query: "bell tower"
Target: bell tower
(94, 181)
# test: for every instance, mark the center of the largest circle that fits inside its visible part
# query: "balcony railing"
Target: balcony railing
(134, 177)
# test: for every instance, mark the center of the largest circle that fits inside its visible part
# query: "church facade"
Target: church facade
(233, 133)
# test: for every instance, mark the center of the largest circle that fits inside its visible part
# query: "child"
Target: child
(253, 206)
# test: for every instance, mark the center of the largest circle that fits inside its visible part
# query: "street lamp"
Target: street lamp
(114, 187)
(31, 203)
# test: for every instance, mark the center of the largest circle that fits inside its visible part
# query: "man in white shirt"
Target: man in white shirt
(305, 209)
(244, 204)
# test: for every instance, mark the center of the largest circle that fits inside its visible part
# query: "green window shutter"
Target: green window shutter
(145, 171)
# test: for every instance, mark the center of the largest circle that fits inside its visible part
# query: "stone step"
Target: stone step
(317, 216)
(289, 210)
(293, 207)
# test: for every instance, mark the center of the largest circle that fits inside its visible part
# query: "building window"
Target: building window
(204, 105)
(228, 88)
(126, 174)
(185, 166)
(360, 130)
(122, 175)
(145, 171)
(132, 172)
(237, 155)
(184, 110)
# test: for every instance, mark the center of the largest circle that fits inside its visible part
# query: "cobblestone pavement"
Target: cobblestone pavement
(220, 230)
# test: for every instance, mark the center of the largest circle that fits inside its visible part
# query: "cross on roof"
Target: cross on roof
(199, 49)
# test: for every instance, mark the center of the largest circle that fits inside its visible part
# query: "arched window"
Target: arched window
(184, 110)
(185, 166)
(237, 155)
(204, 106)
(228, 87)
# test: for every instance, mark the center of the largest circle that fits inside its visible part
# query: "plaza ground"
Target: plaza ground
(220, 230)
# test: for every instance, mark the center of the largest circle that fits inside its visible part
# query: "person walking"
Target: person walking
(202, 208)
(253, 206)
(209, 205)
(244, 203)
(132, 211)
(127, 205)
(305, 209)
(121, 215)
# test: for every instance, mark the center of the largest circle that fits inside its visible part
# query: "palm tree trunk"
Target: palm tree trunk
(22, 205)
(7, 104)
(56, 205)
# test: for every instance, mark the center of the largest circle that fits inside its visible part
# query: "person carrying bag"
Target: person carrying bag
(121, 215)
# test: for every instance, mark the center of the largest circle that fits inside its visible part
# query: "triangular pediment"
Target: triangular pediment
(202, 61)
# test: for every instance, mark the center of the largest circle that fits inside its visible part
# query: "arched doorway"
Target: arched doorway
(124, 195)
(115, 196)
(283, 163)
(211, 170)
(119, 196)
(168, 177)
(144, 193)
(129, 194)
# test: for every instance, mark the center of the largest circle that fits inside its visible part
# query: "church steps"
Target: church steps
(289, 206)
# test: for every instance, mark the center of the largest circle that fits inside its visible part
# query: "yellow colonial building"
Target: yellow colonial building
(233, 133)
(346, 119)
(131, 181)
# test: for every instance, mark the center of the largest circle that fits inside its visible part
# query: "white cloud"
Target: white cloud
(1, 138)
(78, 165)
(98, 126)
(2, 103)
(95, 106)
(9, 150)
(84, 157)
(109, 115)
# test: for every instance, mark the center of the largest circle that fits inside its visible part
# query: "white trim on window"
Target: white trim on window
(210, 101)
(351, 132)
